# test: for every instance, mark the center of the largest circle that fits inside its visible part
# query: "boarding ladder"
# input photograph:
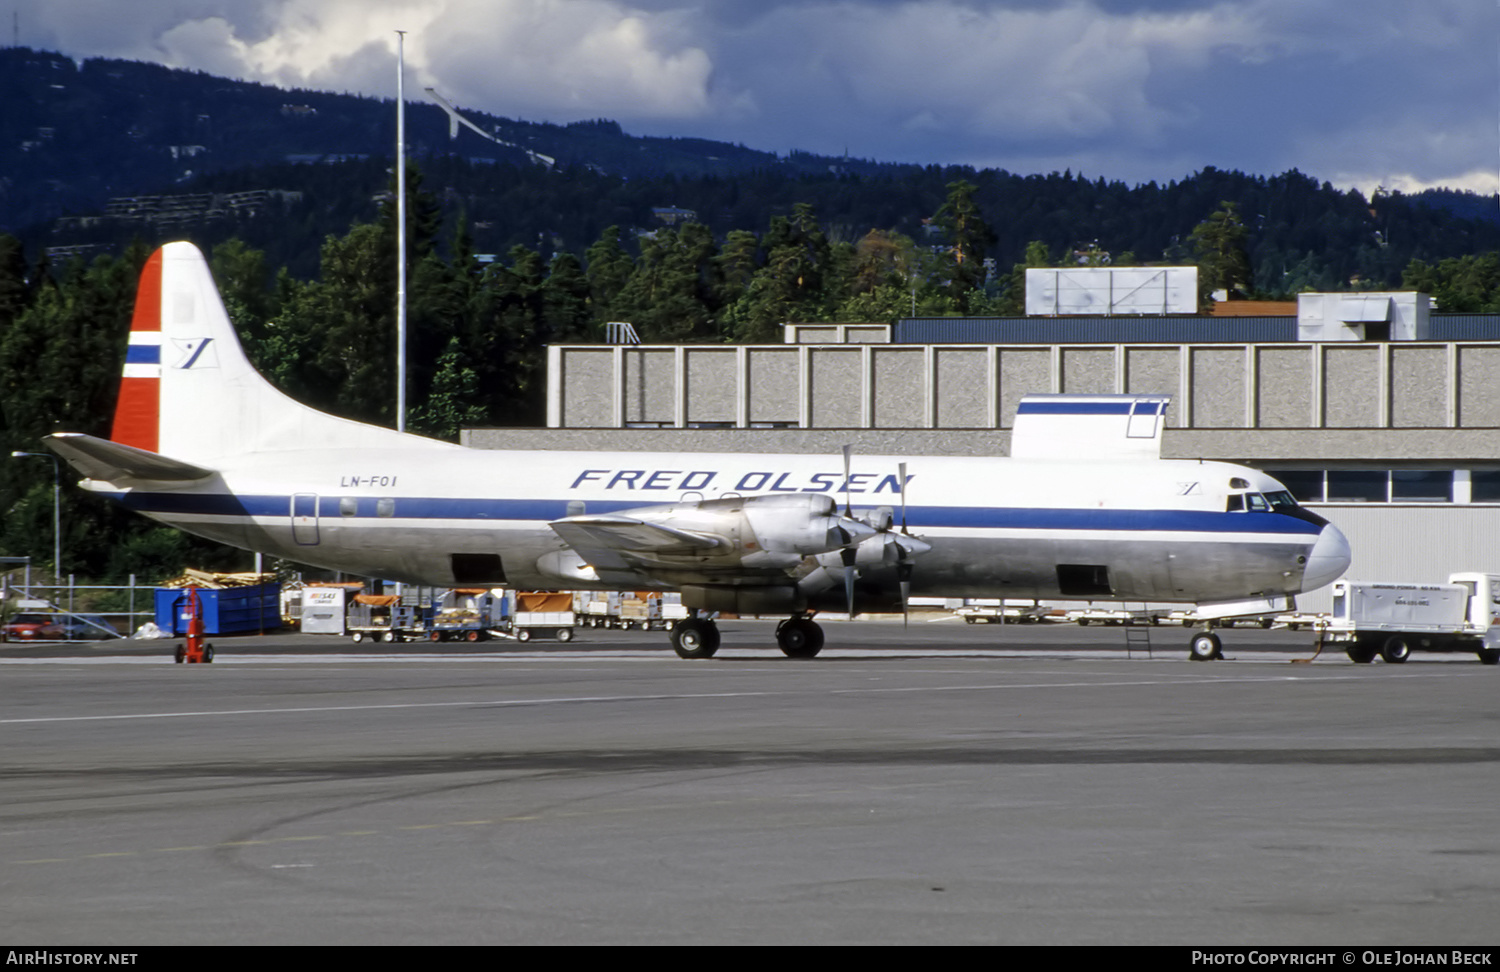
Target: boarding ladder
(1137, 631)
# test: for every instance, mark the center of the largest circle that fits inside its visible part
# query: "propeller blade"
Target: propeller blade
(848, 506)
(901, 467)
(847, 555)
(903, 574)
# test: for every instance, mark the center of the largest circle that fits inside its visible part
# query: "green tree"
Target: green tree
(1466, 284)
(1218, 245)
(453, 402)
(670, 296)
(609, 269)
(1012, 300)
(969, 236)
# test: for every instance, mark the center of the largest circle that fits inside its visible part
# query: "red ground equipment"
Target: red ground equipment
(196, 650)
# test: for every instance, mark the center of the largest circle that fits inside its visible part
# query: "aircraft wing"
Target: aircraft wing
(623, 542)
(113, 462)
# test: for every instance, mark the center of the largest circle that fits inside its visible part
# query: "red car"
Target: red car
(31, 626)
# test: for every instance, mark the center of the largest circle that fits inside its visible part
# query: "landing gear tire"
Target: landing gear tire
(695, 638)
(1360, 654)
(799, 638)
(1395, 651)
(1205, 647)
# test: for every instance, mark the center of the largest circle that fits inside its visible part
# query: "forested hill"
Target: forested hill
(75, 135)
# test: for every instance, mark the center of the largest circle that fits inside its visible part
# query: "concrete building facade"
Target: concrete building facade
(1398, 443)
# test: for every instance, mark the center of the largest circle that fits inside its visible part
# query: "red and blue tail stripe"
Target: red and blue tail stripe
(138, 409)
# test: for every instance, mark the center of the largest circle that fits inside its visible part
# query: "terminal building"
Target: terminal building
(1377, 413)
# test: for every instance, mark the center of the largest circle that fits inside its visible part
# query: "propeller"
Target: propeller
(893, 549)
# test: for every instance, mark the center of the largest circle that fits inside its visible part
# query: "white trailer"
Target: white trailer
(1393, 619)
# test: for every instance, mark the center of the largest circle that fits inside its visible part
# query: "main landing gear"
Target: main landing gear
(798, 637)
(695, 638)
(1206, 646)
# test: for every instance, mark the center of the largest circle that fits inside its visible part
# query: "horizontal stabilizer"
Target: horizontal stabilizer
(113, 462)
(1092, 427)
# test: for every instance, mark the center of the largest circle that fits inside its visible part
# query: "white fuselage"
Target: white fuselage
(1154, 529)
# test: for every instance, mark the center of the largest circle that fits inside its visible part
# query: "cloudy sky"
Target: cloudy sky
(1402, 93)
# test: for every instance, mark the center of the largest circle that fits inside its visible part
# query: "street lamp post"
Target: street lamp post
(56, 507)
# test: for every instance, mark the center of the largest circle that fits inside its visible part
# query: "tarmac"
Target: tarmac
(914, 784)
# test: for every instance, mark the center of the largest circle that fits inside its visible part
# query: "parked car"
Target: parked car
(86, 627)
(44, 626)
(33, 626)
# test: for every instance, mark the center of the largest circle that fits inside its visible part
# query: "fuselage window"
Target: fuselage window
(348, 506)
(385, 506)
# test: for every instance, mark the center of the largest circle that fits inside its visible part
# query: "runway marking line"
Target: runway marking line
(1103, 682)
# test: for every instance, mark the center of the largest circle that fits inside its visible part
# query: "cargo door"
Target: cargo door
(305, 519)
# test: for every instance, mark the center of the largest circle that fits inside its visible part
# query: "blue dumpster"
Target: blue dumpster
(231, 610)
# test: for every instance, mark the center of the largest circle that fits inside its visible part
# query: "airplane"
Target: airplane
(1083, 509)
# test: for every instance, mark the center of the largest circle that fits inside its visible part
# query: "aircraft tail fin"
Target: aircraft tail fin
(188, 390)
(1089, 427)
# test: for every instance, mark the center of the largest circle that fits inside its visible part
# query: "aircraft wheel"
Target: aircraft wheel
(1360, 654)
(1489, 656)
(695, 638)
(799, 637)
(1205, 647)
(1395, 650)
(565, 634)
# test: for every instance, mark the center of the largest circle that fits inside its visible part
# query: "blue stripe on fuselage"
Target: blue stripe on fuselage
(533, 510)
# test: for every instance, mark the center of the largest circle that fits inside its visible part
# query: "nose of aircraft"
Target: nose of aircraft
(1328, 560)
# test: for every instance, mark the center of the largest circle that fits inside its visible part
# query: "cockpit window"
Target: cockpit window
(1281, 500)
(1257, 502)
(1235, 503)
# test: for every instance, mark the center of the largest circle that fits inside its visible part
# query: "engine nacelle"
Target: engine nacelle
(803, 523)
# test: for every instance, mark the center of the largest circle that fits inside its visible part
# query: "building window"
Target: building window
(1305, 484)
(1484, 486)
(1357, 486)
(1421, 485)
